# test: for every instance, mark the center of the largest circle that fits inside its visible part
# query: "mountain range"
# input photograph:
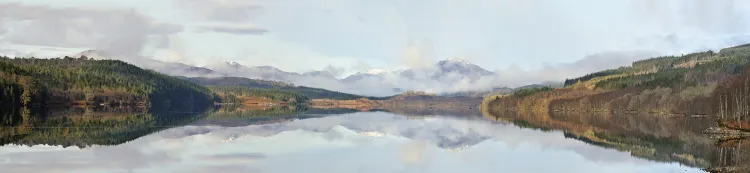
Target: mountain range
(168, 68)
(440, 71)
(441, 77)
(376, 82)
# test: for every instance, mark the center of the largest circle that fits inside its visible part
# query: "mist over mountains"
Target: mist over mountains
(452, 76)
(374, 83)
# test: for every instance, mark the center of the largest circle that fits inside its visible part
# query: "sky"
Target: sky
(360, 35)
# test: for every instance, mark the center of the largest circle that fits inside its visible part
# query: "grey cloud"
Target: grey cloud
(160, 28)
(225, 16)
(219, 10)
(234, 29)
(516, 77)
(606, 60)
(335, 71)
(417, 54)
(116, 31)
(161, 42)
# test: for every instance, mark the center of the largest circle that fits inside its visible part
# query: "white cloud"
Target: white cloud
(267, 49)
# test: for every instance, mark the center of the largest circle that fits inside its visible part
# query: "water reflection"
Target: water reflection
(351, 142)
(656, 138)
(85, 126)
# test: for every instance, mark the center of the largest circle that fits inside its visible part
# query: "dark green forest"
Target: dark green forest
(529, 91)
(229, 94)
(30, 83)
(669, 71)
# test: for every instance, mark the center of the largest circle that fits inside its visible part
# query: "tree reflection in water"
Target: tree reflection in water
(658, 138)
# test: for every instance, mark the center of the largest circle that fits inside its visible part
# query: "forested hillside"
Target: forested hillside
(312, 93)
(30, 82)
(704, 83)
(237, 94)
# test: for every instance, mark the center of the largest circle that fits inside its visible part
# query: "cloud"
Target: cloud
(222, 169)
(525, 42)
(234, 29)
(513, 76)
(238, 158)
(415, 55)
(414, 152)
(219, 10)
(498, 33)
(334, 71)
(117, 31)
(422, 77)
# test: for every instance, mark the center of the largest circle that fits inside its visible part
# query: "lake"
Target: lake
(350, 141)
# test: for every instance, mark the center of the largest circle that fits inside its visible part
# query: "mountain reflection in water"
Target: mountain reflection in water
(349, 142)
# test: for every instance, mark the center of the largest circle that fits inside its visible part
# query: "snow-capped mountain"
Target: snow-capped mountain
(376, 74)
(319, 74)
(255, 72)
(376, 71)
(462, 67)
(443, 73)
(447, 71)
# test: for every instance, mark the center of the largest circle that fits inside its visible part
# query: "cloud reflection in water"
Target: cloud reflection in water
(360, 142)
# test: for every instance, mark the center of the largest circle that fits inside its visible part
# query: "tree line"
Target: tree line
(703, 83)
(312, 93)
(732, 99)
(32, 82)
(230, 94)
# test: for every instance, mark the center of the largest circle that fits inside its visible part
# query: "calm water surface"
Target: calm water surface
(374, 142)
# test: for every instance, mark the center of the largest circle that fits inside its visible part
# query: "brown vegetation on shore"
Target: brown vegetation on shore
(671, 108)
(421, 102)
(362, 104)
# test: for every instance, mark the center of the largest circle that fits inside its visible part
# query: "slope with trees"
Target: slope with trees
(241, 94)
(707, 83)
(312, 93)
(32, 83)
